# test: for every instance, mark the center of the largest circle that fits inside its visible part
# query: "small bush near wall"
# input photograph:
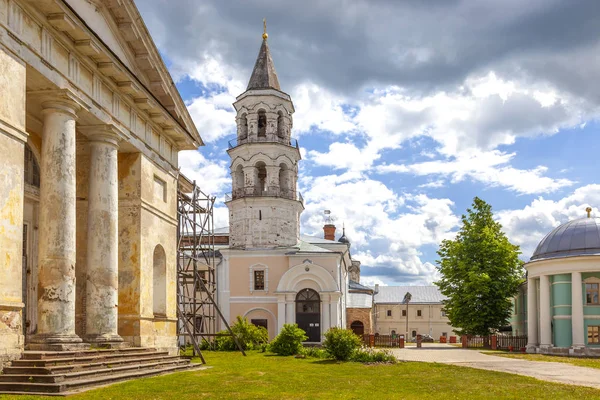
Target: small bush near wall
(250, 337)
(314, 352)
(289, 341)
(341, 343)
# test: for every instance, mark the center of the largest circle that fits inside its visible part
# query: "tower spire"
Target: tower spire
(265, 34)
(264, 75)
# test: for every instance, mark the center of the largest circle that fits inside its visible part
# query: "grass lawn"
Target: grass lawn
(263, 376)
(580, 362)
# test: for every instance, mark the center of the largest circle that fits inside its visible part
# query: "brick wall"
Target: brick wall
(359, 314)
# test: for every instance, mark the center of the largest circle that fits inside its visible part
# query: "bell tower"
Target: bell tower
(264, 205)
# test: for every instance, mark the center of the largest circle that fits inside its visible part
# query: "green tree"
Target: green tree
(480, 273)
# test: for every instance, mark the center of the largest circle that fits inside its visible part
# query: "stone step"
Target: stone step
(40, 355)
(64, 388)
(58, 369)
(62, 377)
(46, 362)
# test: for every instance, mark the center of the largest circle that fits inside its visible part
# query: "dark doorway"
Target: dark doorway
(358, 328)
(308, 314)
(260, 322)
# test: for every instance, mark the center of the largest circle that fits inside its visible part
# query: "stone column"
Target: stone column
(335, 298)
(273, 180)
(252, 127)
(532, 316)
(56, 246)
(102, 293)
(290, 309)
(545, 312)
(577, 310)
(325, 316)
(250, 177)
(280, 312)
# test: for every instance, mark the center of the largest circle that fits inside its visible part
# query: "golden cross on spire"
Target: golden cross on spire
(265, 35)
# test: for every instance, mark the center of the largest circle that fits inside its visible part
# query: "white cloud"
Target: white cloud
(490, 168)
(528, 226)
(212, 176)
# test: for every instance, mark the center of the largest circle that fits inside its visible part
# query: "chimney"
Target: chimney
(329, 230)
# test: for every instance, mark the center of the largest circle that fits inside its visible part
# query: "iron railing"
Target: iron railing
(263, 139)
(270, 191)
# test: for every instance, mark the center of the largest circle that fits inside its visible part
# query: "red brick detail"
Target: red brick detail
(494, 342)
(359, 314)
(329, 231)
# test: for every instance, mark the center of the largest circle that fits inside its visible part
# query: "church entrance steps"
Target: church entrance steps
(62, 373)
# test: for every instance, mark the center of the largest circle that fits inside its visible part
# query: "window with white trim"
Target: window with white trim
(259, 278)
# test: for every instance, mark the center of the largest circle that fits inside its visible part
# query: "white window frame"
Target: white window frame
(259, 267)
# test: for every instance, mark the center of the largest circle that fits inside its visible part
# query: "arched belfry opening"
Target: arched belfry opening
(261, 178)
(308, 313)
(262, 123)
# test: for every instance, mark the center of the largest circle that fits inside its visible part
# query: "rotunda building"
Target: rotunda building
(563, 285)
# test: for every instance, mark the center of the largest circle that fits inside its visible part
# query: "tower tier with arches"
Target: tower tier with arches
(264, 205)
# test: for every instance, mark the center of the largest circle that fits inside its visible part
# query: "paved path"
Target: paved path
(547, 371)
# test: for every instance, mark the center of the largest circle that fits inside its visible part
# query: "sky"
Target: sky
(405, 111)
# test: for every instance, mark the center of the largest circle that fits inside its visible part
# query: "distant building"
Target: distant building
(425, 312)
(561, 297)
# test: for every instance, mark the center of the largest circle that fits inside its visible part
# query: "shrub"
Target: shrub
(249, 336)
(314, 352)
(289, 341)
(341, 343)
(367, 354)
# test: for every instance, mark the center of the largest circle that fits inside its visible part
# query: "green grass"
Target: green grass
(580, 362)
(264, 376)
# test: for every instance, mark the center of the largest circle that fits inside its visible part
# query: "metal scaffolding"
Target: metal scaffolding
(197, 309)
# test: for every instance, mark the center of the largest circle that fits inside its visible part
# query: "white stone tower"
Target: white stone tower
(265, 206)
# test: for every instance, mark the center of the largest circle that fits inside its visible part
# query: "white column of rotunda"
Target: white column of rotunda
(57, 229)
(560, 254)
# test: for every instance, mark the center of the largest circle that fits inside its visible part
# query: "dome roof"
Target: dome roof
(574, 238)
(343, 238)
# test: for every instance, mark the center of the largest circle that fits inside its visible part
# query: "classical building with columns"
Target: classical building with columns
(559, 305)
(268, 272)
(90, 127)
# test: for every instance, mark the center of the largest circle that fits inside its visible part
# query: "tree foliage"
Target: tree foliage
(480, 273)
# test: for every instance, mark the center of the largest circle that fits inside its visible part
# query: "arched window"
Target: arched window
(159, 282)
(284, 184)
(239, 181)
(280, 125)
(32, 168)
(261, 178)
(243, 127)
(262, 124)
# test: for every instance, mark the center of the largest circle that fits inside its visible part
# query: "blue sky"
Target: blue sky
(404, 112)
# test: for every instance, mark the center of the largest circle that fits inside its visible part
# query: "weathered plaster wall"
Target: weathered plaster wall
(158, 227)
(12, 137)
(129, 246)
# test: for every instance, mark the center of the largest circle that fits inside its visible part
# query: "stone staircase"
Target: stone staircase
(66, 372)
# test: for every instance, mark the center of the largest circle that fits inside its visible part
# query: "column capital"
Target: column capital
(60, 100)
(105, 133)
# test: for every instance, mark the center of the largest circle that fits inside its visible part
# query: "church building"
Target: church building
(558, 306)
(268, 272)
(91, 124)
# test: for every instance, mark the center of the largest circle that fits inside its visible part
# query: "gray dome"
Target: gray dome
(574, 238)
